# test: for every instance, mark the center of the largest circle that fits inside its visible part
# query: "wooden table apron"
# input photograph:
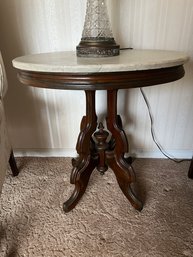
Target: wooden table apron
(101, 81)
(94, 147)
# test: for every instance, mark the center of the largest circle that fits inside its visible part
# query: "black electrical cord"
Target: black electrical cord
(126, 48)
(153, 132)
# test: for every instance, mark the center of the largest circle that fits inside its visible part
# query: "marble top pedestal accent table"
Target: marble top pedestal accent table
(132, 69)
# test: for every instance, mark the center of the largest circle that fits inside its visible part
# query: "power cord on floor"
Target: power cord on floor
(126, 48)
(153, 132)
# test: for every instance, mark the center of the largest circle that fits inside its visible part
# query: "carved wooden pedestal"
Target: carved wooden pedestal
(96, 149)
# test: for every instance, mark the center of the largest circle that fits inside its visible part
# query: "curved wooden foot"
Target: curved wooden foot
(125, 176)
(80, 177)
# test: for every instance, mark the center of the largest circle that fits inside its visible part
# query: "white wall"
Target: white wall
(47, 121)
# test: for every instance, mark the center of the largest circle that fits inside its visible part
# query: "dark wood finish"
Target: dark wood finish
(87, 161)
(13, 164)
(100, 151)
(101, 147)
(96, 148)
(190, 172)
(121, 167)
(101, 81)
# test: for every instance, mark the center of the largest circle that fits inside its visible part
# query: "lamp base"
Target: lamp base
(97, 47)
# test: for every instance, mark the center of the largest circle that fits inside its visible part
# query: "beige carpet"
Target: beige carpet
(104, 223)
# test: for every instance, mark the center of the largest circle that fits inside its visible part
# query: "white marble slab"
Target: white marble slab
(128, 60)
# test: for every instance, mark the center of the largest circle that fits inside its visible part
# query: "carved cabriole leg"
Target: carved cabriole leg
(190, 172)
(87, 160)
(121, 167)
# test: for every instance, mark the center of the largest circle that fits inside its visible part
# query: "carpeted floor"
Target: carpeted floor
(103, 223)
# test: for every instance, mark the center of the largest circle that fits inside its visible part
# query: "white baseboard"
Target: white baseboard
(67, 152)
(183, 154)
(70, 152)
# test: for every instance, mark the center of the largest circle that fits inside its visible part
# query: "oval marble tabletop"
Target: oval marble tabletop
(128, 60)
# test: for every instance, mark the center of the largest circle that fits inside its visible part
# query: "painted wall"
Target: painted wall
(47, 121)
